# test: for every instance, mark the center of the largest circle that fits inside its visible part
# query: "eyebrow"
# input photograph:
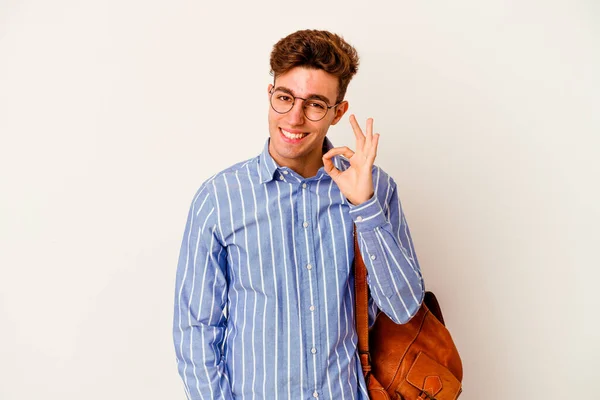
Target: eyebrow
(310, 96)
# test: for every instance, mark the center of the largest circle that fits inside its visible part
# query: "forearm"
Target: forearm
(199, 321)
(202, 370)
(394, 276)
(198, 334)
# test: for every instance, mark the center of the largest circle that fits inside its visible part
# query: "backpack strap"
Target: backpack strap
(362, 307)
(433, 306)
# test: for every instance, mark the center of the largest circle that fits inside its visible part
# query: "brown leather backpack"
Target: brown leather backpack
(413, 361)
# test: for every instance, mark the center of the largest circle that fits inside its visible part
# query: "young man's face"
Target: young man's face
(297, 142)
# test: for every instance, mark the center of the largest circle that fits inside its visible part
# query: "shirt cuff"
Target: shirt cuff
(368, 215)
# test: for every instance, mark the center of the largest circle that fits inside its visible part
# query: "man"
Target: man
(264, 302)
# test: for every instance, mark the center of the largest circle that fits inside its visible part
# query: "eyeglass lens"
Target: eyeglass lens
(314, 109)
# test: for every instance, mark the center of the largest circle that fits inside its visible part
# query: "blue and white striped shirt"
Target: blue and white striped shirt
(264, 300)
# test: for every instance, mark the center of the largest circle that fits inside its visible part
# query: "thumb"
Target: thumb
(331, 170)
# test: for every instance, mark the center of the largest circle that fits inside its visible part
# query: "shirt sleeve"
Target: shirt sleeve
(200, 316)
(394, 277)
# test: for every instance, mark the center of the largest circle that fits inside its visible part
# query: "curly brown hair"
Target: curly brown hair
(319, 50)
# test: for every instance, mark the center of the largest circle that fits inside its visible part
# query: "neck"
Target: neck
(306, 167)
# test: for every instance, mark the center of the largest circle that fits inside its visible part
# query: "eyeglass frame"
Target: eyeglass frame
(273, 90)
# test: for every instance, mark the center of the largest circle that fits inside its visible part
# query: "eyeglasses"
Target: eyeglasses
(314, 108)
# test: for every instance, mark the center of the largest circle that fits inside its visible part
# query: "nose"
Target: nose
(296, 114)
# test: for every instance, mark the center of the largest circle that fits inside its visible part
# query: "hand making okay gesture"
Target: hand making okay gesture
(356, 183)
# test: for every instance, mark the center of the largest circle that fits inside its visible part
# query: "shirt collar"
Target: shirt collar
(269, 168)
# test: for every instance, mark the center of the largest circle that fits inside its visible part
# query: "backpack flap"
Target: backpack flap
(430, 379)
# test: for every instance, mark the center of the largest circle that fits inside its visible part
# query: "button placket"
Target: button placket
(310, 298)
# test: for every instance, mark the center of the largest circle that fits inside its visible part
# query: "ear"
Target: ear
(340, 110)
(269, 89)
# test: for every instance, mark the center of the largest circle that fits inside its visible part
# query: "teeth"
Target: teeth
(290, 135)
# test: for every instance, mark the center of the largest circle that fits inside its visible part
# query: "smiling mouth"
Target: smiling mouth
(293, 136)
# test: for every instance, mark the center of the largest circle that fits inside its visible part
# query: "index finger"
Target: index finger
(358, 133)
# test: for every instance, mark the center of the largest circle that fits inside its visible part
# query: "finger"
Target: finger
(369, 135)
(373, 150)
(336, 151)
(330, 169)
(358, 134)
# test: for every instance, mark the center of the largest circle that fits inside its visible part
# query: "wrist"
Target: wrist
(357, 201)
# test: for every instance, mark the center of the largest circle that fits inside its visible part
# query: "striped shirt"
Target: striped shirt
(264, 299)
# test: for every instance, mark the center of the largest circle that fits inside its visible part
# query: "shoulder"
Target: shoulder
(219, 181)
(384, 186)
(247, 167)
(380, 177)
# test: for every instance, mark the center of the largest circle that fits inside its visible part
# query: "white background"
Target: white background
(112, 113)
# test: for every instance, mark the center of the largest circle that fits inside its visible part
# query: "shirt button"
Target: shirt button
(358, 219)
(309, 266)
(315, 394)
(280, 177)
(285, 172)
(373, 256)
(312, 308)
(305, 224)
(304, 186)
(313, 350)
